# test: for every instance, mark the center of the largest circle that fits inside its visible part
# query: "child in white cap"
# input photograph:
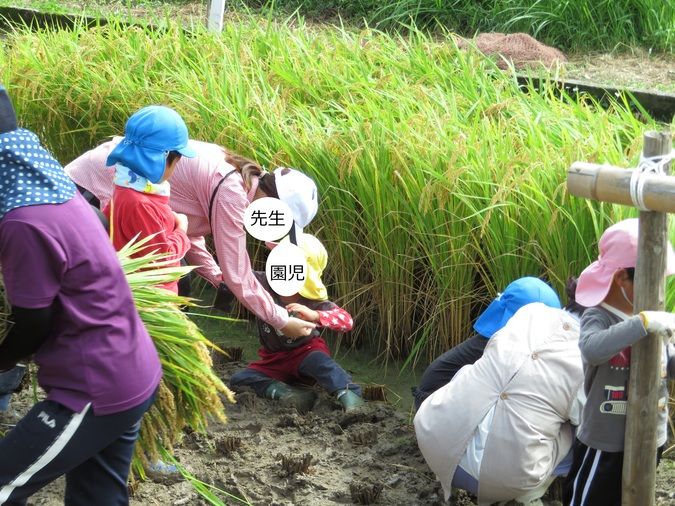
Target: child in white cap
(284, 361)
(608, 330)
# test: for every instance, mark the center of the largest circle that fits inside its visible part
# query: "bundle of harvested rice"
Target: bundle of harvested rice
(190, 392)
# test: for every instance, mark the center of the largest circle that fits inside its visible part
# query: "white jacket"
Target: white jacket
(530, 372)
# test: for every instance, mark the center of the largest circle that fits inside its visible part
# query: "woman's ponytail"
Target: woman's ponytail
(245, 166)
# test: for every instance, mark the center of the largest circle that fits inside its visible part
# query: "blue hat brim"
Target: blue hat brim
(519, 293)
(188, 151)
(149, 163)
(492, 319)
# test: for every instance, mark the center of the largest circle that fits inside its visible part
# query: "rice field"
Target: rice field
(440, 180)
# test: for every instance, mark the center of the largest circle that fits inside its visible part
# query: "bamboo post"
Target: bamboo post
(612, 184)
(639, 464)
(216, 10)
(606, 183)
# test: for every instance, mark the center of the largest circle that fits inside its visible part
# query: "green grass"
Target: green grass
(572, 26)
(440, 180)
(588, 24)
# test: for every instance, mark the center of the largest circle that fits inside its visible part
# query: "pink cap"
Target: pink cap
(618, 250)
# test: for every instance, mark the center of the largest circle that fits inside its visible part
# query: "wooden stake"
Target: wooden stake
(639, 465)
(215, 15)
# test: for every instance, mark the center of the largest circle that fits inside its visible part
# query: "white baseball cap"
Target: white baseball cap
(299, 192)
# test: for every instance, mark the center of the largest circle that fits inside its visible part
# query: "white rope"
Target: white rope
(653, 165)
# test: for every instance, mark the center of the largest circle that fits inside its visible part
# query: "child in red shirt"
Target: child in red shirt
(155, 138)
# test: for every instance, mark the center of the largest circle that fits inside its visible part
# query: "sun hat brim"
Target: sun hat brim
(188, 151)
(517, 294)
(594, 283)
(492, 319)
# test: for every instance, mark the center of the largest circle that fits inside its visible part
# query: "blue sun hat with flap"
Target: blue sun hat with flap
(519, 293)
(149, 135)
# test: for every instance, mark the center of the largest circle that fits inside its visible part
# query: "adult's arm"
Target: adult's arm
(29, 329)
(600, 340)
(229, 237)
(199, 255)
(32, 266)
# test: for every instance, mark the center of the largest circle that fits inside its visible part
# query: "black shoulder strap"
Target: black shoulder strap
(215, 191)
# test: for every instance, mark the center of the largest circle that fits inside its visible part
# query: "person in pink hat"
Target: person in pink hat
(609, 328)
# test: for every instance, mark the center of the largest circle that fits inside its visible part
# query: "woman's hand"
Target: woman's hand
(303, 312)
(296, 328)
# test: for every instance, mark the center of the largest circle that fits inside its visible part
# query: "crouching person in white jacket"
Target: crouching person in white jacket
(503, 427)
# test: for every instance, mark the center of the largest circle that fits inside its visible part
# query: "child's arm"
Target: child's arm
(336, 319)
(600, 340)
(147, 221)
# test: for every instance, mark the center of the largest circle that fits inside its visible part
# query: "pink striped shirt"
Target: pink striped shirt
(192, 184)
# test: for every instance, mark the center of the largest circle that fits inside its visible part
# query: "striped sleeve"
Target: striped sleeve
(229, 237)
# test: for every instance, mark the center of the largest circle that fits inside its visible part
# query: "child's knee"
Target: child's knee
(238, 378)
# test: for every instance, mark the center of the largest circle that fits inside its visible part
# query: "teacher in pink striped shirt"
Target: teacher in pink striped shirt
(213, 190)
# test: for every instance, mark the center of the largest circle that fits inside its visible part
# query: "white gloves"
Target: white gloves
(658, 322)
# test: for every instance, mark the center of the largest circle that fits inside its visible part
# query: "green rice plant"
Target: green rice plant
(190, 392)
(440, 180)
(207, 491)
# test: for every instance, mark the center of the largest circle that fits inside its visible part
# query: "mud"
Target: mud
(272, 455)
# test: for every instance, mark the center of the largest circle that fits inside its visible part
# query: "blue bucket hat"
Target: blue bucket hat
(519, 293)
(149, 135)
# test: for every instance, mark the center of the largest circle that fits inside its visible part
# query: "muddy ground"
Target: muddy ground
(272, 455)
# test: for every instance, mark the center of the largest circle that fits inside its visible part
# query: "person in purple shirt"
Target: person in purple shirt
(73, 312)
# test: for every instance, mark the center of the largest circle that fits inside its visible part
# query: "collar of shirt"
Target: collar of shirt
(615, 311)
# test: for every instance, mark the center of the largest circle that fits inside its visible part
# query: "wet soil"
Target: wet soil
(269, 454)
